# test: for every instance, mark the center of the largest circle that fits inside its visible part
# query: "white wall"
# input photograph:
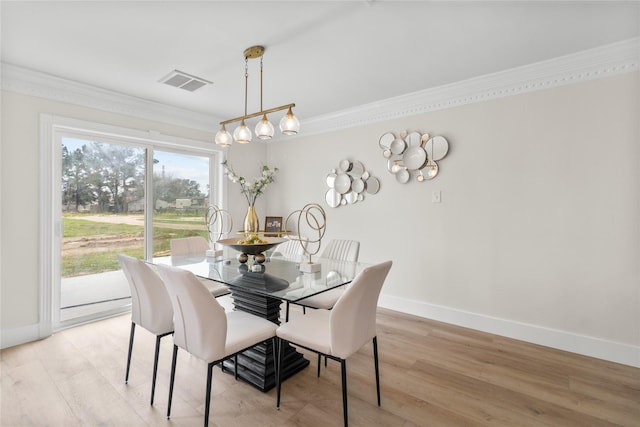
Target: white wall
(247, 161)
(537, 235)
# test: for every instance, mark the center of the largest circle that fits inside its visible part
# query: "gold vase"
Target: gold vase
(251, 222)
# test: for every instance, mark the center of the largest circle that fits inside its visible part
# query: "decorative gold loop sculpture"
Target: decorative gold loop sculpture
(312, 219)
(215, 219)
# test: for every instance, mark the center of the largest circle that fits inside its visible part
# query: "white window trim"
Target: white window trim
(50, 224)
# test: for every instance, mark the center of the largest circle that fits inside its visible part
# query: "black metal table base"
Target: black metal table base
(256, 365)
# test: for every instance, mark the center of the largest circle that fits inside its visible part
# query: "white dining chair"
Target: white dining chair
(339, 333)
(184, 248)
(343, 250)
(290, 249)
(189, 246)
(150, 307)
(337, 250)
(203, 329)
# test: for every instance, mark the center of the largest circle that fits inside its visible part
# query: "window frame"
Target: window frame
(52, 130)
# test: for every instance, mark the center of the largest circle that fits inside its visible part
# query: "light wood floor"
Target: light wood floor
(432, 374)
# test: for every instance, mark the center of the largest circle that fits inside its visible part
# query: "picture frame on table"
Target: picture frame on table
(272, 226)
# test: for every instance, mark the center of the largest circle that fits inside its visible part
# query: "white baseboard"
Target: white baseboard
(561, 340)
(15, 336)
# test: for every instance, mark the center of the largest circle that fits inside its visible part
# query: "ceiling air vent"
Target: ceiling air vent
(185, 81)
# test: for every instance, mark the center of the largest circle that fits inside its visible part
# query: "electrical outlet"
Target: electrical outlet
(436, 197)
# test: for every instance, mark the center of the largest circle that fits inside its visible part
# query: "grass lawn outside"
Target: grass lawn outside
(91, 246)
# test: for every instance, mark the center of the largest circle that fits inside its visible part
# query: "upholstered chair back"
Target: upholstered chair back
(353, 318)
(200, 323)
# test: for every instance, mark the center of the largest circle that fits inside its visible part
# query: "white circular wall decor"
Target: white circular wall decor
(348, 184)
(413, 155)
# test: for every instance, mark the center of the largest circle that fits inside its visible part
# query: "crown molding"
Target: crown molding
(41, 85)
(605, 61)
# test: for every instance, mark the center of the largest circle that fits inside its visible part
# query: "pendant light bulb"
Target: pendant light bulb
(223, 137)
(264, 129)
(289, 125)
(242, 134)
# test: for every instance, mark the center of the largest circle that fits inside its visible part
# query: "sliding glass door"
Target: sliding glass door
(103, 208)
(118, 196)
(180, 198)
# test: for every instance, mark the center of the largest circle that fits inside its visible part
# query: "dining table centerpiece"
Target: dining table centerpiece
(251, 191)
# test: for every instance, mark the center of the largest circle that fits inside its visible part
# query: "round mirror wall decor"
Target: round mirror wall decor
(349, 182)
(411, 155)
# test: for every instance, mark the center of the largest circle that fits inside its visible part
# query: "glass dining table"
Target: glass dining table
(260, 289)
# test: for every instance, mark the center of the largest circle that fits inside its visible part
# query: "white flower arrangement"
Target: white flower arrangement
(256, 188)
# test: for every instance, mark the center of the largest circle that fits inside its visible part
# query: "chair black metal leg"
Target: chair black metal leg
(319, 357)
(375, 361)
(235, 367)
(155, 367)
(207, 396)
(133, 331)
(173, 377)
(281, 343)
(286, 317)
(275, 356)
(343, 364)
(304, 310)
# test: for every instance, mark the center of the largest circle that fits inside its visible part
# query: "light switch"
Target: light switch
(436, 197)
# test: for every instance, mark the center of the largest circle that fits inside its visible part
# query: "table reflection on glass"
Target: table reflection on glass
(259, 289)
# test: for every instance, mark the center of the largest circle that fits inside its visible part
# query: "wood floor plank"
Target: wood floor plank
(432, 374)
(31, 398)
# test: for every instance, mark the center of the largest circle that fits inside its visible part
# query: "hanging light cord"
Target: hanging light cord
(260, 86)
(246, 82)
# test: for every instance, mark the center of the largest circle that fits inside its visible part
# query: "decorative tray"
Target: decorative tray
(251, 248)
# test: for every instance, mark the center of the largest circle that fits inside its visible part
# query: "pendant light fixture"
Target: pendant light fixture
(223, 137)
(289, 125)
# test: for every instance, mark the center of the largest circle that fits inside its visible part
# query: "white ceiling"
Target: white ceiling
(325, 56)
